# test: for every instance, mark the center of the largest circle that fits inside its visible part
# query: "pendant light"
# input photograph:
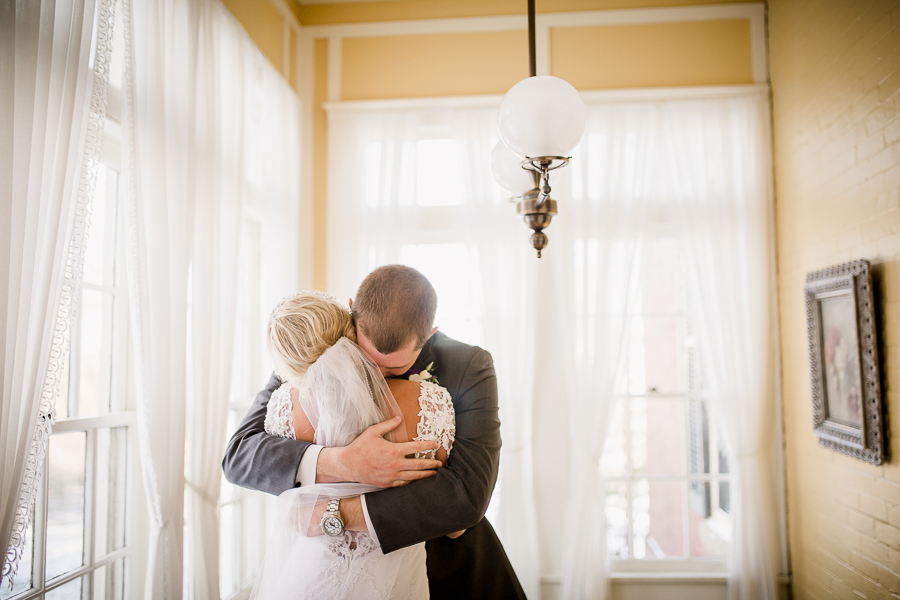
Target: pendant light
(541, 121)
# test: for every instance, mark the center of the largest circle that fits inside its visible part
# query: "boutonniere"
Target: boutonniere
(420, 375)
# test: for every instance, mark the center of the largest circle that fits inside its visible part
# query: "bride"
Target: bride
(332, 393)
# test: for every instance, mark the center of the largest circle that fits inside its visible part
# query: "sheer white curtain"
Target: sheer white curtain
(52, 107)
(161, 60)
(380, 213)
(594, 247)
(507, 304)
(719, 154)
(702, 167)
(246, 149)
(211, 133)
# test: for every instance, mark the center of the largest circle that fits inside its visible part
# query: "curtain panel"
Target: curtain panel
(52, 110)
(247, 159)
(721, 174)
(211, 133)
(384, 215)
(702, 167)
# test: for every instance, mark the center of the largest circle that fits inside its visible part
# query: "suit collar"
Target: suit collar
(426, 356)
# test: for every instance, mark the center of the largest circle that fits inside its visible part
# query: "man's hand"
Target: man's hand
(373, 460)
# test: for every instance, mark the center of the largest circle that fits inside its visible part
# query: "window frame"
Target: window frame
(661, 227)
(121, 383)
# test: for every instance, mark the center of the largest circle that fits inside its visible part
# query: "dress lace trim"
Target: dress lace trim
(279, 420)
(437, 418)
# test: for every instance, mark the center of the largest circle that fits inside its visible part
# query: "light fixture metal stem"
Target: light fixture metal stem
(532, 61)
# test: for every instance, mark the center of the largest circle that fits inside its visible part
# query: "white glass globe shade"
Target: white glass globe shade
(508, 171)
(542, 116)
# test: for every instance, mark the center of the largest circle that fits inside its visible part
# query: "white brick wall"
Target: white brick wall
(835, 69)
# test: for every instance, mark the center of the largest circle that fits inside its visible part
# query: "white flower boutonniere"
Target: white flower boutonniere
(420, 375)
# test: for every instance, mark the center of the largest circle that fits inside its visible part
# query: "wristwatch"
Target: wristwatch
(332, 523)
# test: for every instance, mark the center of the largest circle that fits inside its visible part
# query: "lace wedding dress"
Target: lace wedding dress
(342, 394)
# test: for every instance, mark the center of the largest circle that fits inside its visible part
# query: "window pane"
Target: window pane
(229, 544)
(657, 427)
(99, 255)
(710, 525)
(664, 356)
(23, 577)
(69, 591)
(660, 277)
(95, 353)
(616, 505)
(454, 272)
(109, 581)
(658, 513)
(614, 460)
(439, 164)
(65, 503)
(112, 449)
(62, 404)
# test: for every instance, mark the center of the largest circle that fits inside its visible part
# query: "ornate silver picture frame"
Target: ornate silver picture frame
(843, 360)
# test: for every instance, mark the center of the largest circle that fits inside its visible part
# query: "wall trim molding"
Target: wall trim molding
(614, 95)
(335, 34)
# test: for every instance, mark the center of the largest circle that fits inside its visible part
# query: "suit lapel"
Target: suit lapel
(426, 356)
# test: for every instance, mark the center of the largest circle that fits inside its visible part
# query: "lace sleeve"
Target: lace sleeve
(437, 418)
(279, 420)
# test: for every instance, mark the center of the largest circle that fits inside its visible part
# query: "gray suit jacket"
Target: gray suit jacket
(456, 498)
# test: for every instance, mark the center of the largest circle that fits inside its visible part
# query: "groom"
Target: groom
(394, 313)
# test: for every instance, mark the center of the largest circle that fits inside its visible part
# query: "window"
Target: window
(81, 539)
(433, 247)
(243, 528)
(79, 544)
(664, 468)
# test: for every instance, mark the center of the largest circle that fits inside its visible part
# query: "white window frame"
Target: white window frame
(121, 370)
(716, 566)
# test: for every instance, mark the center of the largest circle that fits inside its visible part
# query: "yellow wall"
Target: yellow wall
(264, 24)
(447, 64)
(653, 54)
(835, 69)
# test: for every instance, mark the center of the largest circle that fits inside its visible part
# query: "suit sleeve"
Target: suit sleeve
(257, 460)
(457, 497)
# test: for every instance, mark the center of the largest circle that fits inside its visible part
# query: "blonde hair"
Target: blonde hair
(301, 328)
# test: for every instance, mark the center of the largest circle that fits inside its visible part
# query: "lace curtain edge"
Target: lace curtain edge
(66, 310)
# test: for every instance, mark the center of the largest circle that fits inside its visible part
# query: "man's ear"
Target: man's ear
(350, 302)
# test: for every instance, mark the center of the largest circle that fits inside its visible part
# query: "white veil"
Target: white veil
(342, 394)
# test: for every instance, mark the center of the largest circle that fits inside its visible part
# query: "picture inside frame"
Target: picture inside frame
(842, 382)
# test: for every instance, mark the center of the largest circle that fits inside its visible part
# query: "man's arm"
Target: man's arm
(268, 463)
(257, 460)
(457, 497)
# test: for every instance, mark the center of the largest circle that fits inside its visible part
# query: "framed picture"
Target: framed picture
(843, 360)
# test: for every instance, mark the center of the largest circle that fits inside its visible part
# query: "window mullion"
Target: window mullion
(90, 505)
(629, 486)
(74, 382)
(686, 486)
(39, 530)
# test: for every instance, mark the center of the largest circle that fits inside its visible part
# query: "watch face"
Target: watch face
(332, 526)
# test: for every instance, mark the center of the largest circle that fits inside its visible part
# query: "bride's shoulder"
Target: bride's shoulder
(436, 394)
